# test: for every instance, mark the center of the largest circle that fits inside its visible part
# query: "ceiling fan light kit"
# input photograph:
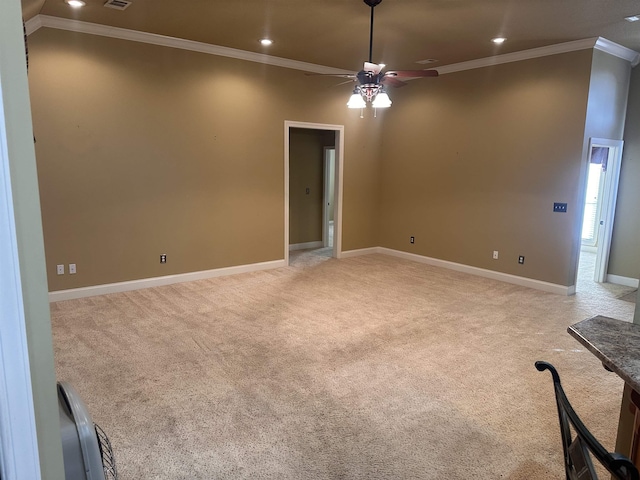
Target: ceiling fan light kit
(372, 81)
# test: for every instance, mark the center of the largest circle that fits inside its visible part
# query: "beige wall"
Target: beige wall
(625, 244)
(608, 93)
(473, 161)
(306, 170)
(144, 150)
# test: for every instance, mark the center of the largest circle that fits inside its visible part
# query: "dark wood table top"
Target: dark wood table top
(615, 342)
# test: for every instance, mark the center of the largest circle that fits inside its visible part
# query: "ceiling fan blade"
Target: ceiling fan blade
(412, 73)
(372, 67)
(348, 81)
(393, 82)
(340, 75)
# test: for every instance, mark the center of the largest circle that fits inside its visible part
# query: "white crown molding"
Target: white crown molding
(616, 50)
(151, 38)
(33, 24)
(107, 288)
(459, 267)
(519, 56)
(597, 43)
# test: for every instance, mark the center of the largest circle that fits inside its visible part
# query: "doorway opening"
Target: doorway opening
(328, 214)
(603, 173)
(313, 166)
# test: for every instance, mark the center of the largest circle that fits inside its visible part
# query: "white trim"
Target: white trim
(19, 451)
(326, 186)
(588, 248)
(619, 51)
(458, 267)
(626, 281)
(172, 42)
(598, 43)
(286, 193)
(481, 272)
(338, 192)
(338, 184)
(608, 204)
(306, 246)
(40, 21)
(360, 252)
(161, 281)
(33, 24)
(19, 456)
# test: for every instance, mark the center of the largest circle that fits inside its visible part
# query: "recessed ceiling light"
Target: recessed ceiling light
(632, 18)
(498, 40)
(266, 42)
(75, 3)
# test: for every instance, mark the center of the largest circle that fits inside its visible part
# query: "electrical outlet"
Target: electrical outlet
(521, 259)
(72, 268)
(60, 269)
(163, 258)
(412, 239)
(495, 254)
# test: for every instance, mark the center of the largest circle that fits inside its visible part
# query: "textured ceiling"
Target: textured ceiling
(335, 33)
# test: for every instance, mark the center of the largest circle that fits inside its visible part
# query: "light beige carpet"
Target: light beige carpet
(364, 368)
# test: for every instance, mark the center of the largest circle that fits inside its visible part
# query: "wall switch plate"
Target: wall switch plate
(163, 258)
(495, 254)
(521, 259)
(72, 268)
(560, 207)
(60, 269)
(412, 239)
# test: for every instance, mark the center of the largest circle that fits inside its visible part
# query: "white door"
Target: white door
(599, 215)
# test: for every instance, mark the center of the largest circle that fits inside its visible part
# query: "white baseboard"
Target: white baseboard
(626, 281)
(160, 281)
(459, 267)
(362, 251)
(306, 246)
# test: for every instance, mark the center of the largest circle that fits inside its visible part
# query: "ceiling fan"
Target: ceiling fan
(372, 80)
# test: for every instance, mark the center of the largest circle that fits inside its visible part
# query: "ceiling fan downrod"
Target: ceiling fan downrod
(372, 4)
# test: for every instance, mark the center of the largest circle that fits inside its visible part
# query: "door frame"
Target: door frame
(608, 207)
(339, 166)
(23, 293)
(325, 194)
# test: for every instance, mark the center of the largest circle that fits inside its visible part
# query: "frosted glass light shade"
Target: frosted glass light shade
(356, 101)
(382, 100)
